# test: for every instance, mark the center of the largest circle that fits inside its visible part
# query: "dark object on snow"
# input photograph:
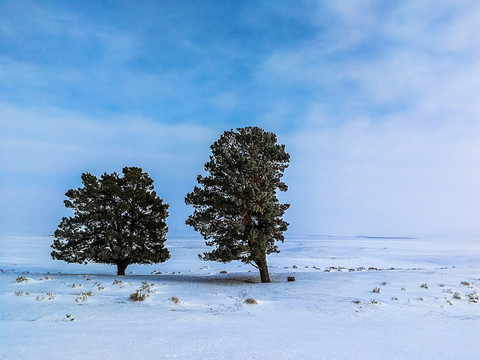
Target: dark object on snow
(290, 278)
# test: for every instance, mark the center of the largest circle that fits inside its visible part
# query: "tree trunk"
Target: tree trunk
(121, 267)
(263, 268)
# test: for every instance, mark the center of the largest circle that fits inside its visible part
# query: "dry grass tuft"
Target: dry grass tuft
(175, 300)
(138, 296)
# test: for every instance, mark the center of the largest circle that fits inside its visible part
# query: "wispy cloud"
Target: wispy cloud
(391, 123)
(395, 177)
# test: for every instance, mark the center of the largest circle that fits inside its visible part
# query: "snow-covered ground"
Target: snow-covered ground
(423, 306)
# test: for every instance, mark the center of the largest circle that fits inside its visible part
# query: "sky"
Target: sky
(377, 103)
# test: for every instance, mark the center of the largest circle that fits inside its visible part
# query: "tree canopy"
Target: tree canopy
(117, 220)
(236, 208)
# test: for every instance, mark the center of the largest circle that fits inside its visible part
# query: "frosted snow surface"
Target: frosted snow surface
(424, 305)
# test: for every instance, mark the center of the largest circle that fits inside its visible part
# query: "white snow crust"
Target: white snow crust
(425, 307)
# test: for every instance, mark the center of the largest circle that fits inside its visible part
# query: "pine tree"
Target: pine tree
(117, 220)
(235, 207)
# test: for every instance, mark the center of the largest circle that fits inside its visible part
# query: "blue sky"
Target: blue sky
(376, 101)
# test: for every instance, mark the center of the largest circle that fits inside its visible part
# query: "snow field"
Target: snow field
(330, 312)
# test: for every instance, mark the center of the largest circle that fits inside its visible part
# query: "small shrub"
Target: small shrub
(139, 295)
(251, 301)
(175, 300)
(74, 286)
(290, 278)
(403, 288)
(117, 282)
(473, 297)
(376, 290)
(394, 298)
(147, 288)
(465, 283)
(19, 293)
(22, 279)
(424, 286)
(374, 302)
(83, 296)
(457, 296)
(358, 302)
(384, 283)
(46, 296)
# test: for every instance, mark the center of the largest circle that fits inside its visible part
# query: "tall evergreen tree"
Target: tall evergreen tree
(235, 207)
(117, 220)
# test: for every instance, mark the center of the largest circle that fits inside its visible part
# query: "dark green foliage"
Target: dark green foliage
(117, 220)
(236, 207)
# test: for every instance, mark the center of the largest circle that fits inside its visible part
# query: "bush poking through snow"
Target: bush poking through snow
(376, 290)
(46, 296)
(465, 283)
(83, 296)
(22, 279)
(139, 295)
(457, 296)
(147, 288)
(473, 297)
(175, 300)
(424, 286)
(251, 301)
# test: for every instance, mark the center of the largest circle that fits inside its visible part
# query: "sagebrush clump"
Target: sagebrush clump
(175, 300)
(147, 288)
(83, 296)
(139, 295)
(473, 297)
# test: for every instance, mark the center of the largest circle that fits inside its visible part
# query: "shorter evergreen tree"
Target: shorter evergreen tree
(117, 220)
